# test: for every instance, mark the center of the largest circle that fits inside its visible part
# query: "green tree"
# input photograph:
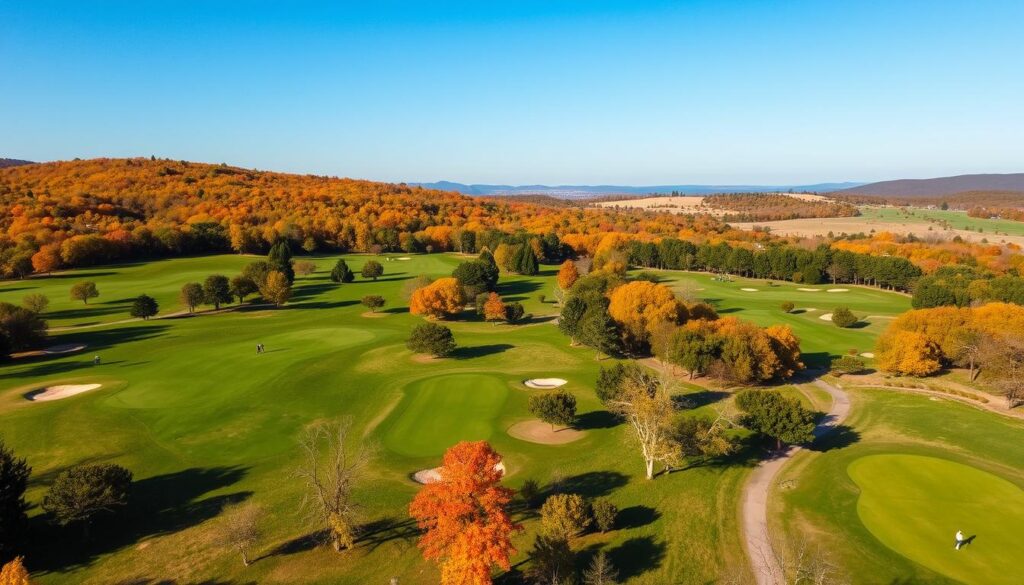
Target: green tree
(788, 306)
(843, 317)
(432, 339)
(604, 512)
(14, 474)
(476, 274)
(192, 295)
(372, 269)
(693, 351)
(848, 364)
(514, 312)
(20, 329)
(492, 271)
(554, 408)
(564, 516)
(373, 302)
(612, 381)
(81, 493)
(35, 302)
(551, 562)
(525, 261)
(598, 330)
(216, 290)
(773, 415)
(257, 272)
(144, 307)
(241, 287)
(280, 259)
(341, 272)
(530, 493)
(83, 291)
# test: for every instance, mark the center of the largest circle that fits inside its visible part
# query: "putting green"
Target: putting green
(915, 504)
(438, 412)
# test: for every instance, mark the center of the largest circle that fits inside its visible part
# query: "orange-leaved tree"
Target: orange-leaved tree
(494, 309)
(14, 573)
(440, 298)
(568, 274)
(909, 353)
(467, 529)
(640, 306)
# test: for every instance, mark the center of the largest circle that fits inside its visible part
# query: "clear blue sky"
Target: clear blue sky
(524, 92)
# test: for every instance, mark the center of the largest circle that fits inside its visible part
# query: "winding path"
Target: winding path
(764, 559)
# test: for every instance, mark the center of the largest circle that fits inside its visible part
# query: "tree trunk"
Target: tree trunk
(245, 558)
(649, 464)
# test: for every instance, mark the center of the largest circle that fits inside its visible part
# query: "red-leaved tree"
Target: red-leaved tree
(467, 529)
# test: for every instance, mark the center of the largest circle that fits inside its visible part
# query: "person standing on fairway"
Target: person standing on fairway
(959, 539)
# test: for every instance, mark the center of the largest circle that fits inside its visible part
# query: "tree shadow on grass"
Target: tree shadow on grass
(299, 544)
(307, 291)
(510, 290)
(87, 311)
(699, 399)
(592, 484)
(596, 419)
(637, 556)
(385, 530)
(396, 310)
(160, 581)
(636, 516)
(837, 437)
(476, 351)
(157, 506)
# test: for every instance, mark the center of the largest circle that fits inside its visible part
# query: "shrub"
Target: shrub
(564, 516)
(848, 364)
(372, 269)
(604, 514)
(83, 492)
(788, 306)
(431, 338)
(514, 312)
(843, 317)
(144, 307)
(304, 267)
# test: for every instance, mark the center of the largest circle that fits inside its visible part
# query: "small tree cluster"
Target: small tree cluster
(554, 408)
(431, 339)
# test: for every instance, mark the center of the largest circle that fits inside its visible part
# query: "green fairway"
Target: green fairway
(885, 496)
(202, 421)
(439, 412)
(819, 338)
(914, 504)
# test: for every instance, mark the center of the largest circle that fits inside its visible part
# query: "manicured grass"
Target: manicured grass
(913, 505)
(933, 466)
(956, 219)
(439, 412)
(819, 339)
(202, 421)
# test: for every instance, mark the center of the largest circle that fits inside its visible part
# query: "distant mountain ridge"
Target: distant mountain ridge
(939, 186)
(584, 191)
(13, 162)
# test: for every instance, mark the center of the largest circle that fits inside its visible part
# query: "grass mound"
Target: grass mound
(914, 504)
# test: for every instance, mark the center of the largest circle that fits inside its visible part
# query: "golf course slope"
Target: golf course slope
(915, 504)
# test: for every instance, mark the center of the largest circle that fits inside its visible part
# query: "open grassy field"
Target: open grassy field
(884, 498)
(819, 338)
(203, 421)
(920, 222)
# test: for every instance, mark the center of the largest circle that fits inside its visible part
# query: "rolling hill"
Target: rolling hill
(923, 188)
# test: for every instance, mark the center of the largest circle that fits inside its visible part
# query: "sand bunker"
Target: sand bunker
(826, 317)
(867, 354)
(58, 392)
(838, 290)
(810, 289)
(538, 431)
(807, 309)
(433, 475)
(749, 289)
(544, 383)
(65, 348)
(404, 258)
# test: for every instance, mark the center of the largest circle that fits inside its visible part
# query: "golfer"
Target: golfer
(959, 539)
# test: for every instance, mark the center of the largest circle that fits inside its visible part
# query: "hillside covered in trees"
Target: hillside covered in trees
(88, 212)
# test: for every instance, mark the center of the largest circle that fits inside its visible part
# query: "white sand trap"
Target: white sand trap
(810, 289)
(826, 317)
(867, 354)
(808, 309)
(404, 258)
(65, 348)
(58, 392)
(433, 475)
(538, 431)
(749, 289)
(544, 383)
(838, 290)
